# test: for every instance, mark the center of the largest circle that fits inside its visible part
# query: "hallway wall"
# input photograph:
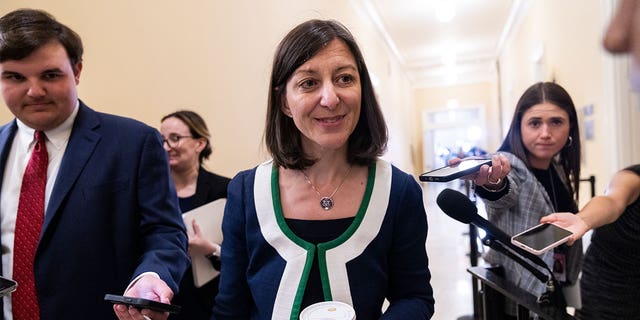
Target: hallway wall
(146, 58)
(561, 41)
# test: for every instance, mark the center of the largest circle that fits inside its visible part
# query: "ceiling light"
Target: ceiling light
(448, 59)
(445, 12)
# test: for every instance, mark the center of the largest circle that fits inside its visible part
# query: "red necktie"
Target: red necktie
(28, 226)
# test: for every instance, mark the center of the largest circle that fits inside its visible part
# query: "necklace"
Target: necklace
(326, 202)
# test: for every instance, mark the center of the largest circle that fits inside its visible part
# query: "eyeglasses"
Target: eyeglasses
(174, 140)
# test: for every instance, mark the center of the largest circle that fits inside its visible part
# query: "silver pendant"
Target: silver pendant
(326, 203)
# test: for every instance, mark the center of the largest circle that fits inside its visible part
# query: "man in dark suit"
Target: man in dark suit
(111, 219)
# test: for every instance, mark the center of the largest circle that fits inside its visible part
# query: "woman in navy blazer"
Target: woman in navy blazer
(186, 140)
(325, 219)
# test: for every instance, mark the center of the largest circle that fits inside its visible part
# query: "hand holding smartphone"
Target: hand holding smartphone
(541, 238)
(141, 303)
(448, 173)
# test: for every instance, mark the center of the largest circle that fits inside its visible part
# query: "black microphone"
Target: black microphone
(458, 206)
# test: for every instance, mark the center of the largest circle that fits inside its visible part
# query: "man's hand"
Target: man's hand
(147, 287)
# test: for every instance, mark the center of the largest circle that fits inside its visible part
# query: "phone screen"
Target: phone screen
(542, 237)
(449, 173)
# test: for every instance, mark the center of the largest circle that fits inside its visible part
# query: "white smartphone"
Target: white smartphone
(449, 173)
(541, 238)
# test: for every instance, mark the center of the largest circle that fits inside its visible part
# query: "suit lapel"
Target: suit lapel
(202, 188)
(82, 143)
(6, 140)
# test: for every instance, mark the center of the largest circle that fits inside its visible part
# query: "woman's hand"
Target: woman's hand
(198, 244)
(490, 177)
(569, 221)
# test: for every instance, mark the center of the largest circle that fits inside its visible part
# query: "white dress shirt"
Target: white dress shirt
(21, 149)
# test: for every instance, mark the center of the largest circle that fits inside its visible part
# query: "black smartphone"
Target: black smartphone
(7, 286)
(141, 303)
(541, 238)
(448, 173)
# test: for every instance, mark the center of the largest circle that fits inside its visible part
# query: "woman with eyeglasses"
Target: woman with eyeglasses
(186, 140)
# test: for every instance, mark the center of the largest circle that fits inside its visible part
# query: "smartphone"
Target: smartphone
(448, 173)
(141, 303)
(541, 238)
(7, 286)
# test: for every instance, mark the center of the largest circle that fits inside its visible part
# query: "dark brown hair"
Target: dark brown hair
(197, 128)
(282, 137)
(569, 156)
(24, 31)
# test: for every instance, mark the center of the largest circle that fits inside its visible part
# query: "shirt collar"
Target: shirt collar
(58, 136)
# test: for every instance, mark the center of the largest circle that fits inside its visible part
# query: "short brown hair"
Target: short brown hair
(23, 31)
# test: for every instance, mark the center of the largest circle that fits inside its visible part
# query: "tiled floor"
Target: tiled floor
(448, 248)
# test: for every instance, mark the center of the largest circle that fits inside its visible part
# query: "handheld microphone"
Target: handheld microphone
(458, 206)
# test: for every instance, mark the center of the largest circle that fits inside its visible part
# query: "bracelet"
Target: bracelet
(504, 186)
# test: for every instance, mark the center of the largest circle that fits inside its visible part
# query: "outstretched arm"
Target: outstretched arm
(623, 189)
(490, 177)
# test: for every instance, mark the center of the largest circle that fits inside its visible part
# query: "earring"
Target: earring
(569, 143)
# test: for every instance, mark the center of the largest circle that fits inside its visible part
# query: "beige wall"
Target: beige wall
(560, 41)
(569, 34)
(147, 58)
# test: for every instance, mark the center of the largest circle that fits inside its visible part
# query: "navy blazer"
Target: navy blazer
(197, 303)
(113, 214)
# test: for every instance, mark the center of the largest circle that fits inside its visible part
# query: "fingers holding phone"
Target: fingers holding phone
(494, 177)
(491, 174)
(458, 169)
(155, 292)
(125, 312)
(138, 308)
(541, 238)
(569, 221)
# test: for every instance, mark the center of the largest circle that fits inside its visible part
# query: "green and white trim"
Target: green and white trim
(333, 255)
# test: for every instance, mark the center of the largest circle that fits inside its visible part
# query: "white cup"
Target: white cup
(328, 310)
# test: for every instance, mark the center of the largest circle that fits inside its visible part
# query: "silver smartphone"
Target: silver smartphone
(541, 238)
(448, 173)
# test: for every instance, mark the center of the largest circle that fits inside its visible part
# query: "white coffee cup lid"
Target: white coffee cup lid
(328, 310)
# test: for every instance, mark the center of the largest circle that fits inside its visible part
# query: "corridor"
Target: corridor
(448, 248)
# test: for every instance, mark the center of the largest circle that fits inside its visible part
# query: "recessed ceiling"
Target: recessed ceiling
(427, 47)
